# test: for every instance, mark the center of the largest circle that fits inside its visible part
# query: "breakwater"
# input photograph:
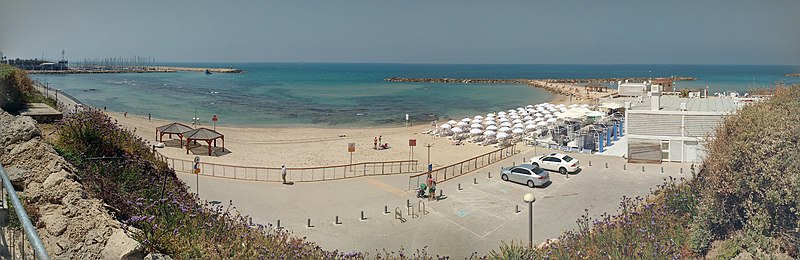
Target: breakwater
(148, 69)
(556, 86)
(793, 75)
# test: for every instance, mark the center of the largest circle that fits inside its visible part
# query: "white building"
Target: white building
(672, 129)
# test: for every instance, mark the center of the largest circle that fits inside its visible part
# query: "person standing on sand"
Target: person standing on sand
(380, 139)
(148, 117)
(126, 114)
(375, 142)
(283, 173)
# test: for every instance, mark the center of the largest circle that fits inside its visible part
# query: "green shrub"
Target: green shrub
(14, 84)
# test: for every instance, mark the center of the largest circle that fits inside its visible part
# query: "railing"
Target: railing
(305, 174)
(13, 239)
(53, 93)
(460, 168)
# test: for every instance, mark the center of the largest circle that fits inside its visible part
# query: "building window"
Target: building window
(665, 150)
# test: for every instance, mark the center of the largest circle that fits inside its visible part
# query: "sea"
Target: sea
(356, 94)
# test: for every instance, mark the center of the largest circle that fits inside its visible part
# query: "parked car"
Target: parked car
(557, 162)
(526, 174)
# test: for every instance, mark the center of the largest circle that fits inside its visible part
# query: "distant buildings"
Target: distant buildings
(36, 64)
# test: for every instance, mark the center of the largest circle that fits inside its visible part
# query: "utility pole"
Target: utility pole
(429, 156)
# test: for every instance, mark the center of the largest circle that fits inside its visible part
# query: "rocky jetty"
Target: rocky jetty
(793, 75)
(152, 69)
(71, 224)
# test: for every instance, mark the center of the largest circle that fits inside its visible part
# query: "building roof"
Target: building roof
(672, 103)
(202, 134)
(174, 128)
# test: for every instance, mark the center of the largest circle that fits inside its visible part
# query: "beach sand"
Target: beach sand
(307, 147)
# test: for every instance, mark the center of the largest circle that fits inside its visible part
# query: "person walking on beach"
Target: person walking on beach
(148, 117)
(283, 173)
(376, 143)
(126, 114)
(380, 139)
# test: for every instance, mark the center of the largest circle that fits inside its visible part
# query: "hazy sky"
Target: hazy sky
(427, 31)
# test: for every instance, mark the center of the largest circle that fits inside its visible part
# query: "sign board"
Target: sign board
(430, 167)
(412, 142)
(196, 166)
(351, 147)
(197, 159)
(214, 118)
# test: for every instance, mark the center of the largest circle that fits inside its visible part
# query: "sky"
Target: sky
(426, 31)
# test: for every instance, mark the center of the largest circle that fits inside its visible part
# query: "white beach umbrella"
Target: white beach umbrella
(585, 106)
(491, 127)
(501, 113)
(528, 118)
(542, 123)
(478, 117)
(506, 124)
(538, 119)
(519, 126)
(490, 115)
(475, 131)
(530, 122)
(504, 129)
(476, 121)
(503, 119)
(524, 113)
(502, 135)
(551, 120)
(515, 117)
(516, 121)
(452, 122)
(538, 115)
(466, 119)
(573, 106)
(529, 106)
(462, 124)
(511, 111)
(560, 105)
(563, 109)
(457, 130)
(489, 133)
(546, 112)
(476, 126)
(552, 109)
(446, 126)
(530, 126)
(491, 118)
(548, 116)
(520, 108)
(517, 131)
(490, 122)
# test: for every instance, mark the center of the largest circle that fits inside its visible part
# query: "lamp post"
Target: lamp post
(529, 198)
(429, 156)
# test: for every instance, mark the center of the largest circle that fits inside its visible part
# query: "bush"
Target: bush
(14, 84)
(751, 179)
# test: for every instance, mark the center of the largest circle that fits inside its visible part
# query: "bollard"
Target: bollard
(590, 163)
(337, 221)
(385, 210)
(459, 186)
(643, 168)
(475, 181)
(662, 169)
(440, 195)
(362, 216)
(606, 165)
(490, 175)
(408, 203)
(309, 223)
(513, 163)
(516, 210)
(624, 167)
(523, 159)
(279, 224)
(681, 170)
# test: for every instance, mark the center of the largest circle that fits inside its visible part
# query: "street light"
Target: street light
(429, 156)
(529, 198)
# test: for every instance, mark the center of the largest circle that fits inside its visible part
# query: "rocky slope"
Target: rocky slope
(71, 225)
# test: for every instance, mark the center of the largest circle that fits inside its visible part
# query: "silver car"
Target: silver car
(526, 174)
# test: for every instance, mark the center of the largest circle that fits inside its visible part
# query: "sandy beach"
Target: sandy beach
(306, 147)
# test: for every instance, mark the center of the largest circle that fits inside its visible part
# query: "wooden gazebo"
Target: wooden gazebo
(204, 134)
(173, 128)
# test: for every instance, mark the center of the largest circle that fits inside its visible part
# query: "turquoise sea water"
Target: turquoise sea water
(343, 95)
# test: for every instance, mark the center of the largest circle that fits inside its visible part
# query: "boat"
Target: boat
(208, 72)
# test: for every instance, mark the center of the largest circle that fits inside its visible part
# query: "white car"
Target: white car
(557, 162)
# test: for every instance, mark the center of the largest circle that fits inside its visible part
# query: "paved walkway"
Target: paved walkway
(476, 218)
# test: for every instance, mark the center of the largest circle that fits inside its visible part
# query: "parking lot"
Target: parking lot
(473, 219)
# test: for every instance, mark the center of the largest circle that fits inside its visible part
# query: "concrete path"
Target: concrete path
(474, 219)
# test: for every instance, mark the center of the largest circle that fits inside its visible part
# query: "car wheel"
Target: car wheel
(562, 170)
(536, 165)
(530, 184)
(504, 177)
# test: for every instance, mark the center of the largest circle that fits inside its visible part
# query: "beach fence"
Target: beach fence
(460, 168)
(295, 174)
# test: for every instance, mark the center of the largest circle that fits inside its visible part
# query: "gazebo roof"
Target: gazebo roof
(174, 128)
(202, 134)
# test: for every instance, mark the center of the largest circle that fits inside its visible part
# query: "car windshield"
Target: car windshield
(567, 158)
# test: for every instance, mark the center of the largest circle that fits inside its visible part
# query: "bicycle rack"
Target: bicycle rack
(399, 215)
(411, 212)
(421, 208)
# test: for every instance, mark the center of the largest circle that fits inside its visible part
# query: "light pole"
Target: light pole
(529, 198)
(430, 167)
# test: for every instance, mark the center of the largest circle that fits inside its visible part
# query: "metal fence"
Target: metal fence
(17, 229)
(460, 168)
(304, 174)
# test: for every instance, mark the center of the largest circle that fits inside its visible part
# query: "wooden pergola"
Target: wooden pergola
(594, 87)
(204, 134)
(173, 128)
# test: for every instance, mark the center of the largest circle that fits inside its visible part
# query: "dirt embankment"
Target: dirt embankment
(71, 224)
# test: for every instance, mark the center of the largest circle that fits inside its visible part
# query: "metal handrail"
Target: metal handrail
(27, 226)
(463, 167)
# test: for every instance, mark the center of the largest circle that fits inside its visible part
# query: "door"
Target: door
(516, 174)
(692, 151)
(665, 150)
